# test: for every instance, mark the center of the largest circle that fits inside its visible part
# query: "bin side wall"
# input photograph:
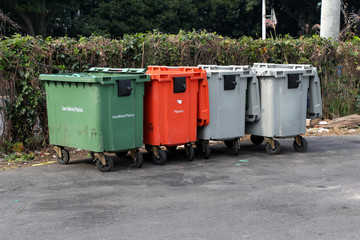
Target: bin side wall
(315, 102)
(139, 113)
(118, 118)
(152, 106)
(253, 110)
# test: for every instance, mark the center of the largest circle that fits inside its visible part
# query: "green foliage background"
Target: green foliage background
(22, 59)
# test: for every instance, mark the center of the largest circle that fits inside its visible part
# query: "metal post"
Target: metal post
(263, 20)
(330, 18)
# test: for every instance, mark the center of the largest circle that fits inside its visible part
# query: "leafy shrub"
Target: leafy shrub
(22, 59)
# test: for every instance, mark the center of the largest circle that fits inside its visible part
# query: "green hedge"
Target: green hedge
(22, 59)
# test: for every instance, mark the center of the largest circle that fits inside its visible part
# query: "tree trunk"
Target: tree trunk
(28, 24)
(42, 25)
(42, 21)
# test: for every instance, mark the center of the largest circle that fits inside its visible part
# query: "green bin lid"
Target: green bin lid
(117, 70)
(102, 77)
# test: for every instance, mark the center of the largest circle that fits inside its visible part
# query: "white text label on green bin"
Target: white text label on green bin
(72, 109)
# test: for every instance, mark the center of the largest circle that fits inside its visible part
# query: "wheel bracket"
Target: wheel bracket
(133, 153)
(155, 151)
(298, 140)
(101, 157)
(271, 142)
(234, 143)
(187, 147)
(203, 143)
(58, 151)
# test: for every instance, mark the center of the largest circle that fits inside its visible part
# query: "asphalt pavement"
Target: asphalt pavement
(311, 195)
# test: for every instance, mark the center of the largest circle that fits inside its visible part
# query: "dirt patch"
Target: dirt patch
(343, 126)
(42, 157)
(348, 125)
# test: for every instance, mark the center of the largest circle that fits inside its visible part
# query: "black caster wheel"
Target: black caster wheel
(121, 154)
(229, 143)
(257, 140)
(148, 148)
(162, 157)
(206, 150)
(138, 161)
(171, 148)
(273, 151)
(190, 154)
(65, 157)
(303, 147)
(107, 167)
(198, 145)
(236, 146)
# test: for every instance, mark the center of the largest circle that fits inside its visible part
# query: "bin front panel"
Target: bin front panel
(170, 118)
(227, 105)
(283, 107)
(314, 107)
(171, 108)
(182, 115)
(74, 116)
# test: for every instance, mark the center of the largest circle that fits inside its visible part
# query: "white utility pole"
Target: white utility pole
(330, 18)
(263, 20)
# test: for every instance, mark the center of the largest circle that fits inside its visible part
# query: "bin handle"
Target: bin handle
(263, 73)
(79, 75)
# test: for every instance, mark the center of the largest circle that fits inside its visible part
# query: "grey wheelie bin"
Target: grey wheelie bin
(289, 94)
(227, 100)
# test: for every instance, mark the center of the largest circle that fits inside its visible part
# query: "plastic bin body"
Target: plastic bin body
(175, 103)
(227, 100)
(99, 112)
(283, 94)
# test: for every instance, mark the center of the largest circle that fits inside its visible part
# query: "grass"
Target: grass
(19, 157)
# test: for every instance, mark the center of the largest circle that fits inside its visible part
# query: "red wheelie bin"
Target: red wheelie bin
(176, 102)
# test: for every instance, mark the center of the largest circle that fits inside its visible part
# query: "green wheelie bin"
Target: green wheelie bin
(100, 111)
